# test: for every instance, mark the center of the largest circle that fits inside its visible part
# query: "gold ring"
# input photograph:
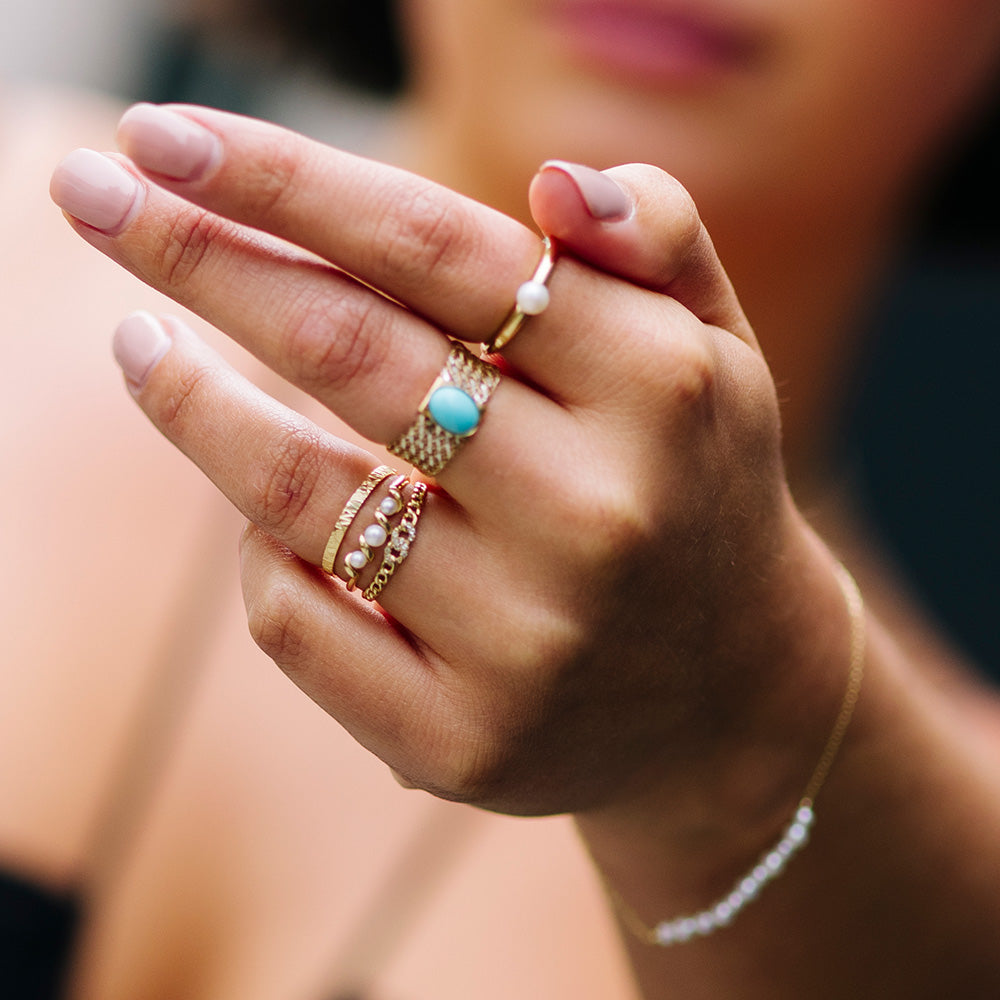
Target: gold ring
(532, 298)
(375, 535)
(450, 413)
(349, 512)
(397, 548)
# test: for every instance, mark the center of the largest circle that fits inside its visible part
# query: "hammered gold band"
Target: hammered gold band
(450, 412)
(349, 512)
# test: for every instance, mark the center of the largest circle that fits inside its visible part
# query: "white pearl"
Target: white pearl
(805, 816)
(706, 922)
(357, 559)
(723, 912)
(774, 862)
(686, 929)
(761, 874)
(737, 899)
(665, 933)
(749, 887)
(797, 833)
(532, 298)
(390, 506)
(786, 847)
(375, 535)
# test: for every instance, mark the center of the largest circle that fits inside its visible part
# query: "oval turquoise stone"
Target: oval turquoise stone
(453, 410)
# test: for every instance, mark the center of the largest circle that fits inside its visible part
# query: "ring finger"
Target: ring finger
(292, 479)
(363, 356)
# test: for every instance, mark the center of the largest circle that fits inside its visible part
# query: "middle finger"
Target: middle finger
(366, 358)
(449, 259)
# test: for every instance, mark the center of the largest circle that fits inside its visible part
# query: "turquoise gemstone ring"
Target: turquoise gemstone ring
(454, 410)
(450, 413)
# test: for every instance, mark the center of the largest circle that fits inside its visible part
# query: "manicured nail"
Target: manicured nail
(605, 200)
(96, 190)
(167, 143)
(140, 342)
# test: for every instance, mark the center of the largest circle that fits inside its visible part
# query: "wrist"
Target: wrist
(793, 662)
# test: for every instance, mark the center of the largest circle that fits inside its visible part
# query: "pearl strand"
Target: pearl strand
(770, 866)
(771, 863)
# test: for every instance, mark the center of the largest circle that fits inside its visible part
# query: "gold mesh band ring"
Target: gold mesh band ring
(450, 412)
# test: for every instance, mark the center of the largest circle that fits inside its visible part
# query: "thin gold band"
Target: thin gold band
(515, 318)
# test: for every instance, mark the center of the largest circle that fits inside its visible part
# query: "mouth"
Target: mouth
(655, 43)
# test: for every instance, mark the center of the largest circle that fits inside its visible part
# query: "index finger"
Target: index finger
(452, 260)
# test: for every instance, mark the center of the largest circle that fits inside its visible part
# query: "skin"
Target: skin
(682, 753)
(803, 164)
(658, 743)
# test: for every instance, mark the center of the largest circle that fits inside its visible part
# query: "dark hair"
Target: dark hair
(358, 41)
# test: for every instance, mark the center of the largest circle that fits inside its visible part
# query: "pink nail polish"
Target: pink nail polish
(605, 200)
(139, 343)
(167, 143)
(96, 190)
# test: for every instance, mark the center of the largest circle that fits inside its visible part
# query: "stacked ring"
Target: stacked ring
(349, 512)
(532, 298)
(450, 412)
(375, 535)
(400, 541)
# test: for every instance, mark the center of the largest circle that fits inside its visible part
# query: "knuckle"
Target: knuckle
(179, 406)
(287, 486)
(422, 235)
(683, 215)
(185, 244)
(333, 344)
(610, 525)
(273, 620)
(276, 173)
(693, 368)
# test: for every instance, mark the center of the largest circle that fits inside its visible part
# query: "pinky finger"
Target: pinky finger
(347, 656)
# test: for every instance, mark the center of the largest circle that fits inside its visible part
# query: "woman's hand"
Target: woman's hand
(610, 591)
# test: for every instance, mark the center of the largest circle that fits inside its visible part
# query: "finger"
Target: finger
(447, 258)
(450, 259)
(637, 222)
(371, 676)
(370, 361)
(292, 479)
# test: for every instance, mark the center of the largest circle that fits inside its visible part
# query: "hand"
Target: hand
(610, 580)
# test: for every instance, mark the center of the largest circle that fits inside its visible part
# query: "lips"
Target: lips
(654, 42)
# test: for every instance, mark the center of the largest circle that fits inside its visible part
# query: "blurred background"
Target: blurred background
(205, 51)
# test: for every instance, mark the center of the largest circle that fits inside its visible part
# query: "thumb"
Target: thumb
(639, 223)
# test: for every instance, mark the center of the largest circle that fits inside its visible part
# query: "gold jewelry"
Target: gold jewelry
(796, 833)
(532, 298)
(450, 412)
(400, 541)
(349, 512)
(375, 535)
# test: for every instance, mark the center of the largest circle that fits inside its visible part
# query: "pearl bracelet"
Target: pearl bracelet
(796, 834)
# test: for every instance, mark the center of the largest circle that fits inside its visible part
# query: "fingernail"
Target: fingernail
(605, 200)
(95, 190)
(139, 343)
(167, 143)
